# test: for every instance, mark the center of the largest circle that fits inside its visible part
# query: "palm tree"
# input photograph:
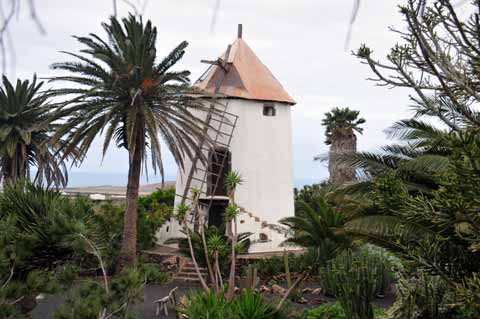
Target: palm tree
(317, 226)
(421, 155)
(130, 98)
(341, 125)
(25, 131)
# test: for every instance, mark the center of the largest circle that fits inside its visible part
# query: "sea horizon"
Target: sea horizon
(85, 179)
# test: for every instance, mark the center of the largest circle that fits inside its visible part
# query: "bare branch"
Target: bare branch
(353, 17)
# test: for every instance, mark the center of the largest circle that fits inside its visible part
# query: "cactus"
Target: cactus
(287, 269)
(352, 278)
(250, 280)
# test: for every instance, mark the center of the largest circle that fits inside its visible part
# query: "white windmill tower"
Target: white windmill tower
(254, 137)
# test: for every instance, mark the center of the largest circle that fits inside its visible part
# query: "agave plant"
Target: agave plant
(132, 100)
(25, 135)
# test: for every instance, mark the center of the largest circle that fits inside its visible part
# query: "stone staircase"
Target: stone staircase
(187, 272)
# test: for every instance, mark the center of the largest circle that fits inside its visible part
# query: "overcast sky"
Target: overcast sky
(301, 41)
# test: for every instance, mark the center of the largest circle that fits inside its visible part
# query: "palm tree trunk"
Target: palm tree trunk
(342, 143)
(129, 242)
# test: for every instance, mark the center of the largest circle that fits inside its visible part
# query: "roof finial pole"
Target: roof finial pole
(240, 31)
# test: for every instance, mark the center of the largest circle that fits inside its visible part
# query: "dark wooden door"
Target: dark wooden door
(219, 166)
(216, 213)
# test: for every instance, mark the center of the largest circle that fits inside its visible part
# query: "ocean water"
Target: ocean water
(82, 179)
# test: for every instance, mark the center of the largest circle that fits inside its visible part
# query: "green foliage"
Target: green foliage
(422, 296)
(274, 266)
(434, 224)
(41, 248)
(341, 121)
(25, 131)
(208, 305)
(249, 305)
(325, 311)
(204, 305)
(353, 278)
(232, 180)
(333, 311)
(250, 278)
(153, 273)
(181, 212)
(231, 212)
(153, 211)
(107, 218)
(317, 226)
(38, 244)
(120, 89)
(216, 241)
(92, 298)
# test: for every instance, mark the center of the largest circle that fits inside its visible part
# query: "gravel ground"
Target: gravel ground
(145, 310)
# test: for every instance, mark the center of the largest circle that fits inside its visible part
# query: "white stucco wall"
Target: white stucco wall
(261, 150)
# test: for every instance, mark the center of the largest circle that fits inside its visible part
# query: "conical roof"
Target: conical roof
(247, 77)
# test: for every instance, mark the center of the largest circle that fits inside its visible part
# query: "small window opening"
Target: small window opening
(263, 237)
(269, 109)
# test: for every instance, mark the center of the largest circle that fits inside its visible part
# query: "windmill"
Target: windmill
(246, 99)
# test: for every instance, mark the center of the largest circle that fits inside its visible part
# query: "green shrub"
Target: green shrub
(243, 243)
(208, 305)
(387, 268)
(325, 311)
(37, 228)
(424, 297)
(91, 298)
(273, 266)
(249, 305)
(333, 311)
(204, 305)
(153, 210)
(153, 273)
(352, 278)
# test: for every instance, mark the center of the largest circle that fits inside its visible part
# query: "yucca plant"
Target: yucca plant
(25, 135)
(232, 181)
(125, 95)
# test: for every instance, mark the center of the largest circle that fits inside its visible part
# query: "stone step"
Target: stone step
(187, 279)
(189, 274)
(184, 268)
(190, 264)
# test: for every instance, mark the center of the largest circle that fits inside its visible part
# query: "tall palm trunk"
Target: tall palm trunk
(342, 143)
(129, 241)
